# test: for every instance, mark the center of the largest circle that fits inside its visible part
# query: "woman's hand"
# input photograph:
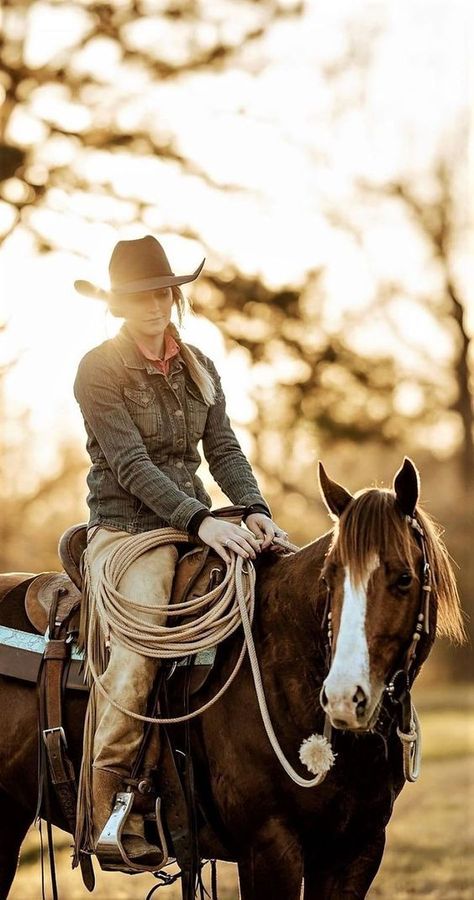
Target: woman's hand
(264, 529)
(219, 534)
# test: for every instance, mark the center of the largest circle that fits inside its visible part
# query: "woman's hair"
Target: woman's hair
(198, 372)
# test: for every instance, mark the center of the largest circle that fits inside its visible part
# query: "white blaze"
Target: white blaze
(350, 666)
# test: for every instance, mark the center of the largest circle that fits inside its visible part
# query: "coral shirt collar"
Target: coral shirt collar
(171, 349)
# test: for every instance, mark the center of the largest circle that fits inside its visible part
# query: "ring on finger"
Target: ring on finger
(227, 542)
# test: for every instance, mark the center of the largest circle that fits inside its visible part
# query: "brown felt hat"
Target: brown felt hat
(135, 266)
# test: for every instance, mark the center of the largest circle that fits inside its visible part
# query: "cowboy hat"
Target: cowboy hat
(135, 266)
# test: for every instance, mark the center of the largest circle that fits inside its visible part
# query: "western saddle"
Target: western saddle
(195, 569)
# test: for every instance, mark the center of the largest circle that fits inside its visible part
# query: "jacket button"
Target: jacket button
(180, 442)
(179, 464)
(188, 484)
(179, 412)
(175, 387)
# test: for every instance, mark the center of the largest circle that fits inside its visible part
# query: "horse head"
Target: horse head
(388, 580)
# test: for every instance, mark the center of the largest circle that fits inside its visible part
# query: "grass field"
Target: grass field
(430, 837)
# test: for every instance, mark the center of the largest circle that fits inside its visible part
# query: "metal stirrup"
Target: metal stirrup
(110, 851)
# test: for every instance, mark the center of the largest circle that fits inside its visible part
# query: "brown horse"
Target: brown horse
(363, 584)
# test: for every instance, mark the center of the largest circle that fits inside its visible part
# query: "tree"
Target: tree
(62, 105)
(73, 110)
(36, 506)
(440, 222)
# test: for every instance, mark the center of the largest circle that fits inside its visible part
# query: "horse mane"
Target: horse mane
(373, 523)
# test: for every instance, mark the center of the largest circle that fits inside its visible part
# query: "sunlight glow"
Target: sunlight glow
(282, 166)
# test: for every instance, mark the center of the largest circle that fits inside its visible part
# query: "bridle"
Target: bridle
(408, 668)
(398, 684)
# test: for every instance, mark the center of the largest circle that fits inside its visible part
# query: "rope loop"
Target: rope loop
(411, 746)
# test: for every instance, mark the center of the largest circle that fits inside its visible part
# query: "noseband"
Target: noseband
(398, 684)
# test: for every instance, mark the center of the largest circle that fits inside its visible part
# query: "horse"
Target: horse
(334, 622)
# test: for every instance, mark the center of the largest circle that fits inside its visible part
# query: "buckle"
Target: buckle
(398, 686)
(58, 728)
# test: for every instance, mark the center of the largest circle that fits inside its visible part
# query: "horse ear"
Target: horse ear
(334, 495)
(406, 485)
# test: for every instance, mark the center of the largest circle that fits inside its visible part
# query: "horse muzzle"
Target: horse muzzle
(347, 710)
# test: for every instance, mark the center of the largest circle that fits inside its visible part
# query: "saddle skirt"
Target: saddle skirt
(39, 596)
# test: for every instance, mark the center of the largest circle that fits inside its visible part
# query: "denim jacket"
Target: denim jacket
(143, 430)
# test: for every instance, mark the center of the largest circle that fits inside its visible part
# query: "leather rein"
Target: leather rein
(399, 682)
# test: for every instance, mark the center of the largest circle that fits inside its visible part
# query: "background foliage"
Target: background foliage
(86, 90)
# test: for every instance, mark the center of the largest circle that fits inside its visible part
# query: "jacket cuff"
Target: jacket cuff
(256, 508)
(184, 512)
(195, 521)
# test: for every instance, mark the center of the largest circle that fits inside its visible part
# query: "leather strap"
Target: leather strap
(177, 815)
(53, 676)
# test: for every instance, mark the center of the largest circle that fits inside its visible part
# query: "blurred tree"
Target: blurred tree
(61, 109)
(442, 223)
(85, 97)
(62, 104)
(314, 391)
(36, 506)
(73, 98)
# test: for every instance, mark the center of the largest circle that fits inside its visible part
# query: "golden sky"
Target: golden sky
(291, 144)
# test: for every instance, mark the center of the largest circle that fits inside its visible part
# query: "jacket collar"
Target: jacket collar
(133, 358)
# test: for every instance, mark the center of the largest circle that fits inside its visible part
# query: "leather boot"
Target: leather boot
(105, 785)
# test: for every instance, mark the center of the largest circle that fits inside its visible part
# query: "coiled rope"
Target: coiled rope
(230, 604)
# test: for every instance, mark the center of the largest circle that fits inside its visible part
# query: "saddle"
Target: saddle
(21, 652)
(39, 597)
(196, 570)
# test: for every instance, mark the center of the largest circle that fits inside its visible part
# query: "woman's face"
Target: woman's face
(148, 312)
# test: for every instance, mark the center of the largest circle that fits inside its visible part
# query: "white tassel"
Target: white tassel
(316, 754)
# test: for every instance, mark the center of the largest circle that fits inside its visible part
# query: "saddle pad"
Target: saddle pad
(21, 654)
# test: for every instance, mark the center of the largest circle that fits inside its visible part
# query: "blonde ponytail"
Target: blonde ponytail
(198, 372)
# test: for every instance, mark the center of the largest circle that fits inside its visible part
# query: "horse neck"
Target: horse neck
(290, 597)
(290, 645)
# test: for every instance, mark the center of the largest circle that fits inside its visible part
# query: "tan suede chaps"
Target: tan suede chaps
(128, 678)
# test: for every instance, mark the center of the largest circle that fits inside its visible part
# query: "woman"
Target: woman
(147, 399)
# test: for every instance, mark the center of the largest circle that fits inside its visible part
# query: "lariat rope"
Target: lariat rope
(231, 604)
(411, 743)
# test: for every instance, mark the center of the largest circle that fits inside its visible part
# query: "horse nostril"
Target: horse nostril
(323, 698)
(360, 701)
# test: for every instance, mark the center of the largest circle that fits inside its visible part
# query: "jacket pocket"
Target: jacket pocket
(142, 406)
(196, 409)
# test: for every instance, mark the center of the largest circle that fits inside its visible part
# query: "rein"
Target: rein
(399, 682)
(232, 604)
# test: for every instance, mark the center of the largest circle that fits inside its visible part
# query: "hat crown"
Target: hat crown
(136, 267)
(138, 259)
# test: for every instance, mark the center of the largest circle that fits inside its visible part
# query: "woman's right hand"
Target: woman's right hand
(219, 535)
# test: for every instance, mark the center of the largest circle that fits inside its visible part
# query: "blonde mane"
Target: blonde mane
(373, 523)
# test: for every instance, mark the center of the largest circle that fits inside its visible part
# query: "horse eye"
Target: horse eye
(404, 581)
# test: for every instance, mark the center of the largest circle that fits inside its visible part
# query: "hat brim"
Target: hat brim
(87, 289)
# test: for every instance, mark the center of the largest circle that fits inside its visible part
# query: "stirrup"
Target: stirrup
(110, 851)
